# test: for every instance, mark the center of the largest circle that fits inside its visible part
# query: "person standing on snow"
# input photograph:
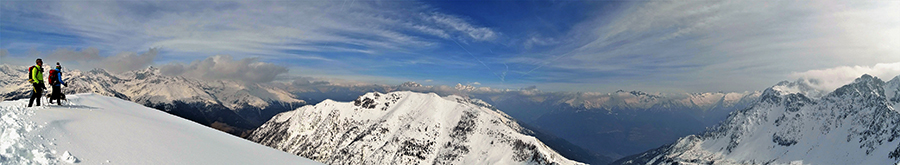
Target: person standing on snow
(56, 80)
(36, 78)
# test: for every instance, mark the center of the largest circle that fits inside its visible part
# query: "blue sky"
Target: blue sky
(692, 46)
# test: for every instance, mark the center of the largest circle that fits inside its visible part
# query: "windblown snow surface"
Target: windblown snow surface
(94, 129)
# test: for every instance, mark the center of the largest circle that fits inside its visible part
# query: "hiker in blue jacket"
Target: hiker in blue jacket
(55, 81)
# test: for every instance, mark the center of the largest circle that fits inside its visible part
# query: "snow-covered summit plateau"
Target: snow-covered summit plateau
(95, 129)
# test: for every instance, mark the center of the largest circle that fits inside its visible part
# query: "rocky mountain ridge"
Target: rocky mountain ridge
(854, 124)
(232, 106)
(405, 128)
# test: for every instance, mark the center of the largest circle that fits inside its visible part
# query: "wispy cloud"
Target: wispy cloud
(323, 35)
(539, 41)
(245, 28)
(648, 45)
(432, 31)
(720, 45)
(460, 25)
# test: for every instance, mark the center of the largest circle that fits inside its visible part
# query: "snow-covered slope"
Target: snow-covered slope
(858, 123)
(94, 129)
(404, 128)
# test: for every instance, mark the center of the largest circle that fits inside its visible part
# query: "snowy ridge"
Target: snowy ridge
(94, 129)
(404, 128)
(237, 104)
(12, 80)
(149, 86)
(619, 100)
(855, 124)
(801, 86)
(637, 100)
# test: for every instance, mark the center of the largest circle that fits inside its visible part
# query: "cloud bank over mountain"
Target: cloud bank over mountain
(87, 58)
(218, 67)
(832, 78)
(225, 67)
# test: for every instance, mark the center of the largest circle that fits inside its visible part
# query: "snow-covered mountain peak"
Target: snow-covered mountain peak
(868, 87)
(641, 94)
(404, 128)
(6, 69)
(855, 124)
(866, 78)
(892, 90)
(461, 87)
(99, 71)
(792, 90)
(382, 101)
(801, 86)
(410, 84)
(376, 100)
(143, 73)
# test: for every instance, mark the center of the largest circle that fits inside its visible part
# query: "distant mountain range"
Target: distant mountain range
(793, 123)
(226, 105)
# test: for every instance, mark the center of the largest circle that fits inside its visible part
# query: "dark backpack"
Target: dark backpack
(29, 73)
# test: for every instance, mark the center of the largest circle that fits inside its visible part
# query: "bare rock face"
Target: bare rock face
(404, 128)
